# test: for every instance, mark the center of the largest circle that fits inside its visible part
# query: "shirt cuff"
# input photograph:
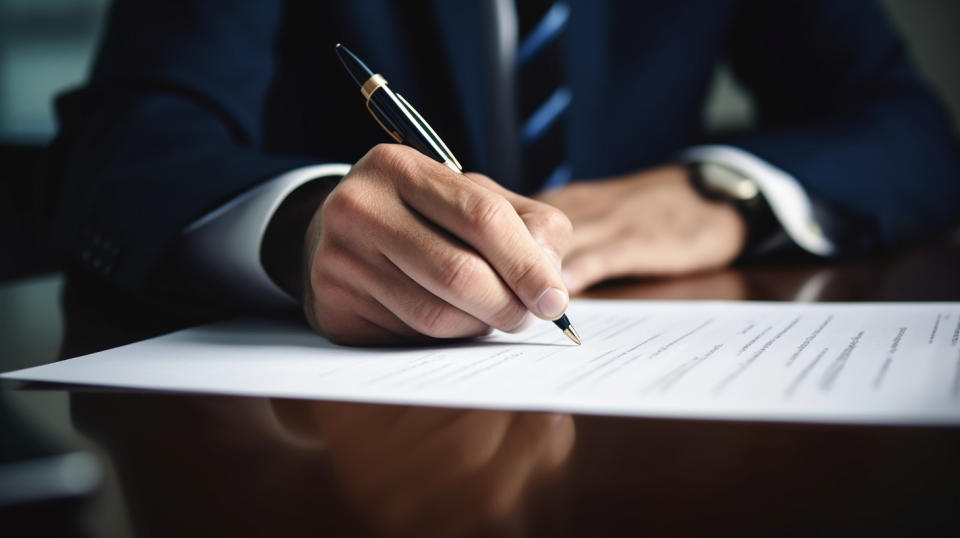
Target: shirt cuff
(783, 193)
(222, 248)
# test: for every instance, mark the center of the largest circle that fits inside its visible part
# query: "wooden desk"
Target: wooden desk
(189, 465)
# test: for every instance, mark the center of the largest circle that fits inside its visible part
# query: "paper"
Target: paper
(827, 362)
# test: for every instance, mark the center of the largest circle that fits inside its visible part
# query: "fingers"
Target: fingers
(599, 262)
(451, 272)
(652, 223)
(375, 246)
(405, 246)
(592, 232)
(348, 318)
(550, 228)
(628, 256)
(387, 302)
(395, 301)
(489, 224)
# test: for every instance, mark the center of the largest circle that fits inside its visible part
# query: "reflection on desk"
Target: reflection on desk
(417, 471)
(200, 465)
(254, 467)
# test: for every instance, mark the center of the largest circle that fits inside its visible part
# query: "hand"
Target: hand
(403, 247)
(653, 223)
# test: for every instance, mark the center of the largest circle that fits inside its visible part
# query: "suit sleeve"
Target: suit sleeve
(223, 246)
(166, 129)
(842, 110)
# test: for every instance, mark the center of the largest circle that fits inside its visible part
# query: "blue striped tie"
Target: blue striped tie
(544, 97)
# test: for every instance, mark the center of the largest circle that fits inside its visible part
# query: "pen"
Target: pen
(407, 126)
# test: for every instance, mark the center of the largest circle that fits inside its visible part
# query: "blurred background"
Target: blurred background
(46, 47)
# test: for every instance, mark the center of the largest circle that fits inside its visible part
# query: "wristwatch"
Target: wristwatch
(721, 183)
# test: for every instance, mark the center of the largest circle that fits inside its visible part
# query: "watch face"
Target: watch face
(727, 182)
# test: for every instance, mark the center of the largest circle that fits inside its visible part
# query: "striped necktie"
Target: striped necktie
(543, 94)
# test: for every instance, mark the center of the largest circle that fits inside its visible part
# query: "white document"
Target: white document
(896, 363)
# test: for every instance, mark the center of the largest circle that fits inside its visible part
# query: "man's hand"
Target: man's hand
(652, 223)
(404, 247)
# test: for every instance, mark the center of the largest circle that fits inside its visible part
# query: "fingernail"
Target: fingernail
(551, 303)
(524, 324)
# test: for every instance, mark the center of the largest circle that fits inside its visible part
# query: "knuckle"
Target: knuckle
(557, 223)
(393, 159)
(347, 202)
(459, 272)
(436, 319)
(552, 228)
(487, 213)
(381, 154)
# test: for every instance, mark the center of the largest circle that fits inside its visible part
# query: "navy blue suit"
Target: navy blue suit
(193, 102)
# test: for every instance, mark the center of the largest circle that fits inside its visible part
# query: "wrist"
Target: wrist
(720, 183)
(281, 251)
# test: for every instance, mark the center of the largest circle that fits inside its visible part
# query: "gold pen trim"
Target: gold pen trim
(572, 335)
(396, 136)
(373, 84)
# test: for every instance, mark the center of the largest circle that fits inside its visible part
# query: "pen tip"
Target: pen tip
(572, 335)
(338, 45)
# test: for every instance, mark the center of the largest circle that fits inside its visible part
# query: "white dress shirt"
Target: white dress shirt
(783, 193)
(224, 245)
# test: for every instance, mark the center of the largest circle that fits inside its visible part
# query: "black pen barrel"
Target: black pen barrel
(358, 70)
(387, 105)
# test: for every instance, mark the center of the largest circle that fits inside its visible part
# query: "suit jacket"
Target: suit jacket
(191, 102)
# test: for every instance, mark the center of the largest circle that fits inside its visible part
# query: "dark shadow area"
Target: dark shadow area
(24, 225)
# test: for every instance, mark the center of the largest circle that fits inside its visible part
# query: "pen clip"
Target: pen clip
(396, 136)
(430, 132)
(373, 84)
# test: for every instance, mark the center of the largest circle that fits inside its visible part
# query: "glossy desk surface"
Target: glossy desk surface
(188, 465)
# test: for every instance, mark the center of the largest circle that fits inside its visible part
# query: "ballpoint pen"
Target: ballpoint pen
(406, 126)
